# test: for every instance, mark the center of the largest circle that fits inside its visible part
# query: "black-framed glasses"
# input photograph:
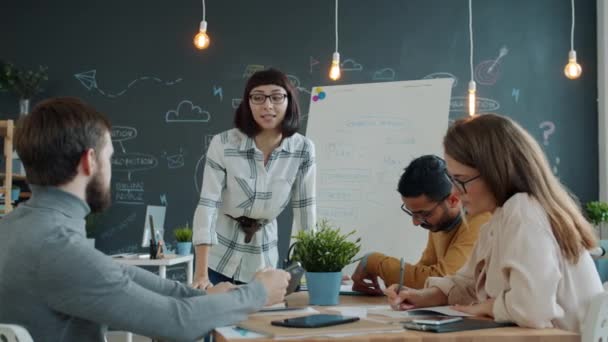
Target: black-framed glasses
(259, 99)
(422, 215)
(461, 185)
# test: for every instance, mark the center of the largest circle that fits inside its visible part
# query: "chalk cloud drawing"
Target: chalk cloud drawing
(295, 81)
(442, 75)
(350, 64)
(385, 74)
(548, 128)
(459, 104)
(488, 72)
(89, 80)
(187, 112)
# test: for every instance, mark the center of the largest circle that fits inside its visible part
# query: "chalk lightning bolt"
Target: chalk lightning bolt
(515, 94)
(163, 199)
(218, 91)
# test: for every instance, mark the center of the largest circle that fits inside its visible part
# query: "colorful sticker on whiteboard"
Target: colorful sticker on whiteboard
(318, 94)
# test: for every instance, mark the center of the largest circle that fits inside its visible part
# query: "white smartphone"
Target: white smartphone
(438, 320)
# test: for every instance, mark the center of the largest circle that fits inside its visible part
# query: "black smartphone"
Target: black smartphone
(296, 271)
(314, 321)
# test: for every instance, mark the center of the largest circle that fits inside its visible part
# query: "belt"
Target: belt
(249, 226)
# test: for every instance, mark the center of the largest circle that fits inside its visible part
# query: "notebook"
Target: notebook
(464, 324)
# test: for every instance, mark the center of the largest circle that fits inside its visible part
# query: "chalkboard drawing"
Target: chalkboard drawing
(198, 171)
(548, 128)
(129, 192)
(488, 72)
(123, 133)
(459, 104)
(187, 112)
(218, 91)
(207, 141)
(252, 69)
(319, 94)
(351, 65)
(163, 199)
(175, 161)
(295, 82)
(89, 80)
(442, 75)
(386, 74)
(132, 162)
(236, 103)
(515, 94)
(555, 169)
(125, 224)
(313, 62)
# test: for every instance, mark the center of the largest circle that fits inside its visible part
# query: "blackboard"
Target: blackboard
(135, 61)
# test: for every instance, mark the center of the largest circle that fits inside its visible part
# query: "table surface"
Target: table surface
(168, 260)
(501, 334)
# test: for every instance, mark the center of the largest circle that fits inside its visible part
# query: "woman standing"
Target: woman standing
(252, 173)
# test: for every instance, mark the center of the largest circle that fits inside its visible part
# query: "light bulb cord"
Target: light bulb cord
(336, 21)
(471, 38)
(572, 28)
(203, 10)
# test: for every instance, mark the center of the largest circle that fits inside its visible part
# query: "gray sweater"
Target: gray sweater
(60, 289)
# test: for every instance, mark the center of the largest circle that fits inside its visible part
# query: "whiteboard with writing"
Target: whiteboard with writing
(365, 135)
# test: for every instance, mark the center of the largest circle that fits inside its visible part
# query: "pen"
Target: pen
(401, 270)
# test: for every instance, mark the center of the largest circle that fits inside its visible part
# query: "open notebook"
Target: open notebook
(430, 311)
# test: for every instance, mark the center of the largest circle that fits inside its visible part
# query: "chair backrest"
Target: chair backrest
(595, 326)
(14, 333)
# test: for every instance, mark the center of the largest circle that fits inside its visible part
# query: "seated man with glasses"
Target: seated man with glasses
(426, 192)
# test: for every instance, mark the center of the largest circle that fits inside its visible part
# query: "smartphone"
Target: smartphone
(296, 271)
(438, 320)
(314, 321)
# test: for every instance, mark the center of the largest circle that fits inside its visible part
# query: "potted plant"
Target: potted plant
(23, 83)
(183, 236)
(597, 213)
(323, 253)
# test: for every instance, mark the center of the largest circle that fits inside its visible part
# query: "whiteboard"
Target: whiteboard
(365, 135)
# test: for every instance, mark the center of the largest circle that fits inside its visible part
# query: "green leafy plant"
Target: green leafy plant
(597, 212)
(325, 249)
(24, 83)
(183, 234)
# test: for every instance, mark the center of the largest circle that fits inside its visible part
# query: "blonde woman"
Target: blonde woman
(531, 264)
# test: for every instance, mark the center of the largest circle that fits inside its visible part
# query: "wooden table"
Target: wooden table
(507, 334)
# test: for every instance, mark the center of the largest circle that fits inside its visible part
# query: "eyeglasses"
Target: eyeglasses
(461, 185)
(259, 99)
(422, 215)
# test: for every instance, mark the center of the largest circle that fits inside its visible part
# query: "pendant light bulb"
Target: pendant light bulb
(334, 72)
(572, 70)
(201, 40)
(472, 99)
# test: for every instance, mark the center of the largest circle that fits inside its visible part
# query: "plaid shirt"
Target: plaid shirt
(236, 182)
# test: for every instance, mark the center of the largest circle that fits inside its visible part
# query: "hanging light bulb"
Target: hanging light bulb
(201, 40)
(572, 70)
(334, 71)
(472, 86)
(472, 99)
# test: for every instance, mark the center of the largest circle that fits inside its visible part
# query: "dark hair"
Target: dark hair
(53, 137)
(425, 175)
(243, 118)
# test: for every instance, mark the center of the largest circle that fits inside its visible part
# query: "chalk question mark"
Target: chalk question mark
(548, 129)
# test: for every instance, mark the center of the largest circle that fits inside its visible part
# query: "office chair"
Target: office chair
(14, 333)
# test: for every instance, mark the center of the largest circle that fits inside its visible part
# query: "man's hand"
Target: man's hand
(365, 282)
(275, 282)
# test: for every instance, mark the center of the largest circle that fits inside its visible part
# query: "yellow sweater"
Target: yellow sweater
(445, 253)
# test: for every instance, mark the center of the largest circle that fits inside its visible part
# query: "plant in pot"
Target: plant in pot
(183, 236)
(597, 213)
(323, 253)
(23, 83)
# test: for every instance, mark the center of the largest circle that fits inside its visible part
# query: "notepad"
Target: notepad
(465, 324)
(430, 311)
